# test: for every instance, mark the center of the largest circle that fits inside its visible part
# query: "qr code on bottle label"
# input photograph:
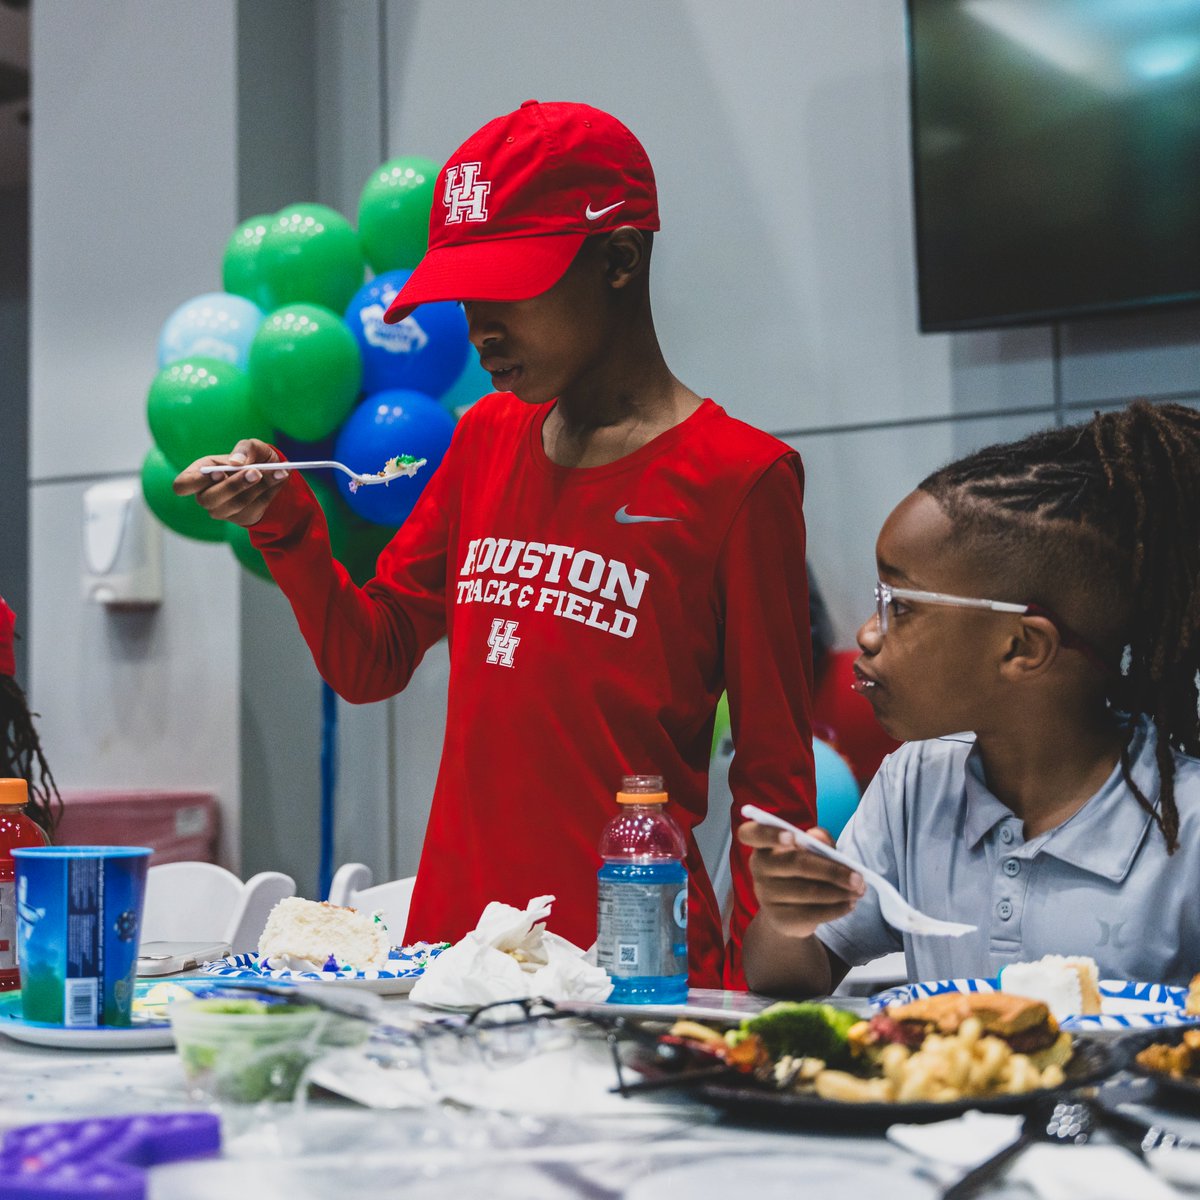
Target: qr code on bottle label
(627, 954)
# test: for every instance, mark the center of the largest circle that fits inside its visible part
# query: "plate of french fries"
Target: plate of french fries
(924, 1061)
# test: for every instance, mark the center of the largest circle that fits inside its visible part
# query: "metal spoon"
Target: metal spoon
(1063, 1121)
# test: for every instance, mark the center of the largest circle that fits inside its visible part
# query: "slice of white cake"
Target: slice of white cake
(306, 933)
(1067, 985)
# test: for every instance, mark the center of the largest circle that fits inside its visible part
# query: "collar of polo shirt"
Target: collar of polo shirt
(1102, 838)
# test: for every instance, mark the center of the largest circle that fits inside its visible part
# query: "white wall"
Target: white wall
(133, 196)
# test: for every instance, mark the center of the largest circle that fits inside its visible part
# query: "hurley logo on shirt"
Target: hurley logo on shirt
(576, 585)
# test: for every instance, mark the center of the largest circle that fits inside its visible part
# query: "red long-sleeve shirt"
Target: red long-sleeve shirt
(586, 642)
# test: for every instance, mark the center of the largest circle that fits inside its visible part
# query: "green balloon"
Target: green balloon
(199, 406)
(393, 212)
(305, 369)
(310, 254)
(240, 273)
(245, 552)
(721, 729)
(178, 513)
(355, 543)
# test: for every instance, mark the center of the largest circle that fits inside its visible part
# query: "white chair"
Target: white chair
(351, 886)
(347, 880)
(201, 902)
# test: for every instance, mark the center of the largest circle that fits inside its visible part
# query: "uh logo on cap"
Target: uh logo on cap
(465, 195)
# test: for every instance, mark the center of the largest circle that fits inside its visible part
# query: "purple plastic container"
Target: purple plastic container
(105, 1156)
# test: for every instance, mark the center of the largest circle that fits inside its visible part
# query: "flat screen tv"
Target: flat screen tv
(1056, 158)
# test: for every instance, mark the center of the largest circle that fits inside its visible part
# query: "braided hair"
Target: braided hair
(1099, 523)
(21, 755)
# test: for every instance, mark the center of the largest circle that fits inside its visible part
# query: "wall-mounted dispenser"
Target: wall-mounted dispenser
(122, 546)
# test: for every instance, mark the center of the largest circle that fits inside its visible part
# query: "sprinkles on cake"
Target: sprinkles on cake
(401, 464)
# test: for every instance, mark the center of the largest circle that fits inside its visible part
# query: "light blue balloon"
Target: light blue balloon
(423, 353)
(837, 789)
(473, 383)
(216, 325)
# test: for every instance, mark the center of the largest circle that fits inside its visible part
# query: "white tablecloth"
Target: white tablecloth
(563, 1136)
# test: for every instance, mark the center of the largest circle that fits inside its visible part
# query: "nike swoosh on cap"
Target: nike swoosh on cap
(594, 214)
(624, 517)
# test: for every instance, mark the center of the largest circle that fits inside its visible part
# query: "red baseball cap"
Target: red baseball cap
(8, 622)
(516, 200)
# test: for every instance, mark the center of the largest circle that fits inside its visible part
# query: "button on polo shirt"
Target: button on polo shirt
(1100, 884)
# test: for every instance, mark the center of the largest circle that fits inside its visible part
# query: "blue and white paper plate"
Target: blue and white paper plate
(406, 965)
(1126, 1005)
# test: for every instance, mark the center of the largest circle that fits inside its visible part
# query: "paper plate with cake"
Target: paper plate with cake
(1071, 989)
(304, 940)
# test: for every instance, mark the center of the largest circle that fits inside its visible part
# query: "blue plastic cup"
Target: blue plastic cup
(79, 917)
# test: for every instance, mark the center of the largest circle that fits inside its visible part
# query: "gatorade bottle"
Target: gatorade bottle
(16, 829)
(642, 911)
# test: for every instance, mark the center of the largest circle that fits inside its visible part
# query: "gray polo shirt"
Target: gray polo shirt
(1100, 884)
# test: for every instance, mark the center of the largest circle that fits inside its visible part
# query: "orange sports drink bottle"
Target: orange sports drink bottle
(16, 829)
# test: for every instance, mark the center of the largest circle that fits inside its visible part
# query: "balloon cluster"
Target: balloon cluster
(294, 351)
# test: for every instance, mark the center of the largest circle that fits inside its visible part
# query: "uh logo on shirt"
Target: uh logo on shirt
(545, 577)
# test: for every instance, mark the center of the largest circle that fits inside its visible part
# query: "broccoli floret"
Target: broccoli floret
(804, 1031)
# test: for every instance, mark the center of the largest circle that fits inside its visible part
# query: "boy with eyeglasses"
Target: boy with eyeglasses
(605, 549)
(1066, 820)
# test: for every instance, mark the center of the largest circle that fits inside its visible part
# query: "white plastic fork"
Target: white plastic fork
(897, 911)
(320, 464)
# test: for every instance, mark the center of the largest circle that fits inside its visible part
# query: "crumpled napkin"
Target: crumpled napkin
(963, 1142)
(1097, 1171)
(508, 956)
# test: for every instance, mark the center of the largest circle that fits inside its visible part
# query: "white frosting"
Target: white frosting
(300, 935)
(1053, 980)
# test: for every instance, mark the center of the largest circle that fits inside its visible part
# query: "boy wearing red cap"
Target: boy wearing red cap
(605, 550)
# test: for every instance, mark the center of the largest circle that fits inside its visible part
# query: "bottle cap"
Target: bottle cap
(14, 791)
(642, 789)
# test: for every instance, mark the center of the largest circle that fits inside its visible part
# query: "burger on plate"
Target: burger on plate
(1026, 1025)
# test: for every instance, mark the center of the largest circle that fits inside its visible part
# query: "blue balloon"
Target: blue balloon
(381, 427)
(423, 353)
(837, 789)
(216, 325)
(473, 383)
(295, 450)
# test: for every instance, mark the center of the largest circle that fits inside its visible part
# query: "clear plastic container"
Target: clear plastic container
(17, 829)
(642, 901)
(246, 1051)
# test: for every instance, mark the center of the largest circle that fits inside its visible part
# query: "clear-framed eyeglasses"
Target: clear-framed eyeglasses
(886, 596)
(418, 1060)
